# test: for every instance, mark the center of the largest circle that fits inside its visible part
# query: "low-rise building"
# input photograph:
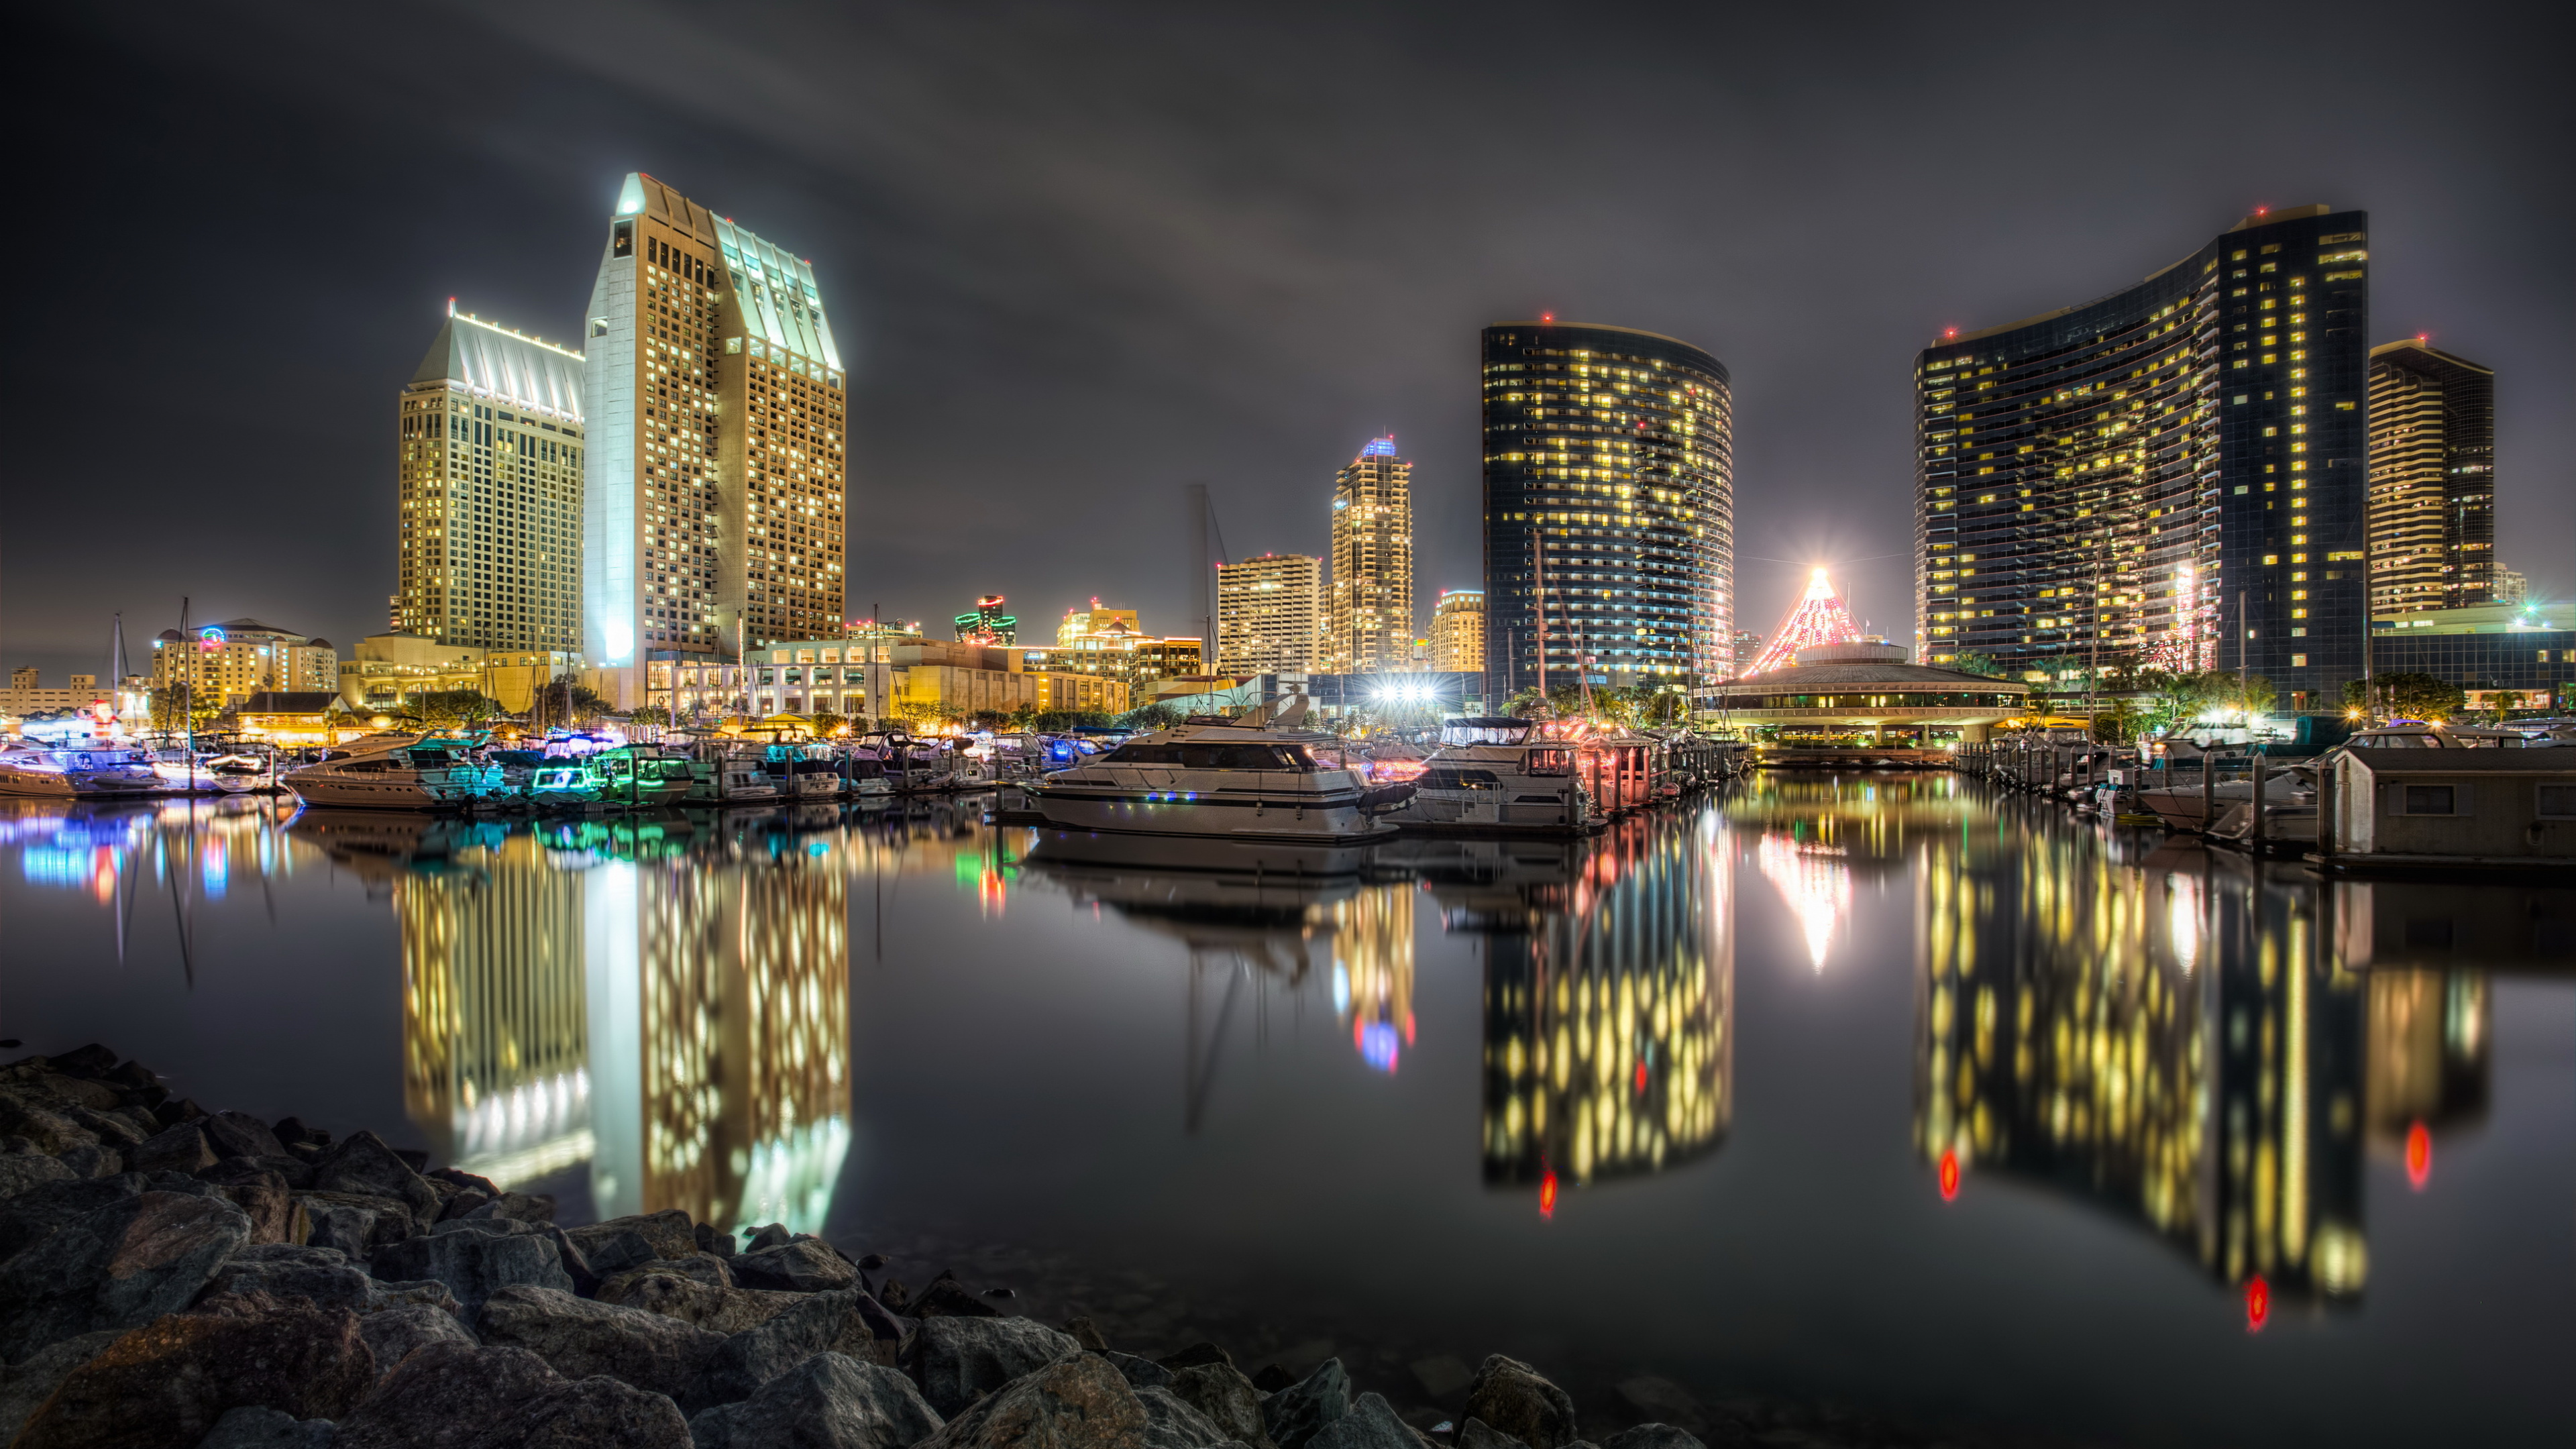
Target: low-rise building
(916, 678)
(26, 694)
(229, 662)
(1842, 690)
(390, 669)
(298, 717)
(2520, 647)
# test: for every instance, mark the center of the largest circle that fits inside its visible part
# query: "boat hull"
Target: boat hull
(1158, 813)
(1494, 812)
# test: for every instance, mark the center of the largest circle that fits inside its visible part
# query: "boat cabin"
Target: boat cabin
(2450, 807)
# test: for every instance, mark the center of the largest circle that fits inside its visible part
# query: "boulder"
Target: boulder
(176, 1149)
(1078, 1402)
(263, 1196)
(712, 1241)
(111, 1128)
(462, 1203)
(24, 1387)
(596, 1413)
(804, 1267)
(847, 1322)
(293, 1132)
(769, 1237)
(1305, 1408)
(691, 1300)
(621, 1243)
(1084, 1331)
(117, 1266)
(447, 1396)
(328, 1285)
(239, 1134)
(90, 1059)
(1226, 1397)
(20, 1171)
(948, 1298)
(364, 1165)
(1171, 1424)
(1141, 1373)
(42, 1122)
(393, 1333)
(1201, 1352)
(578, 1338)
(1371, 1424)
(170, 1381)
(702, 1267)
(959, 1360)
(92, 1160)
(518, 1207)
(474, 1265)
(249, 1427)
(1653, 1436)
(1477, 1434)
(830, 1401)
(1514, 1400)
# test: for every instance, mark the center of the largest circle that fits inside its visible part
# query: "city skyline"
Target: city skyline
(967, 421)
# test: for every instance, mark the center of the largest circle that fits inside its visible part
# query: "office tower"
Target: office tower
(1369, 625)
(988, 624)
(1096, 622)
(1269, 614)
(1458, 632)
(1609, 495)
(2169, 476)
(2432, 480)
(718, 465)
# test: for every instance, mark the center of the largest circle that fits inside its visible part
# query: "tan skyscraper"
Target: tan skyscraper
(1369, 627)
(2432, 480)
(1269, 613)
(489, 518)
(1458, 632)
(717, 469)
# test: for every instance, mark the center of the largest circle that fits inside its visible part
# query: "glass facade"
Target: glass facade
(2170, 476)
(2432, 480)
(1609, 496)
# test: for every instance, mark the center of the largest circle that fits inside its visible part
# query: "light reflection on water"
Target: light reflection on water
(2213, 1056)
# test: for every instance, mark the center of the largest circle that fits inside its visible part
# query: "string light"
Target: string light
(1819, 618)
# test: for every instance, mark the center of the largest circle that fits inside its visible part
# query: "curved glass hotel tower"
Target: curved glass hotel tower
(2168, 477)
(717, 467)
(1610, 500)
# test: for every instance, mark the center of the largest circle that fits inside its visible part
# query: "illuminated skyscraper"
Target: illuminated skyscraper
(1458, 632)
(1369, 624)
(1609, 493)
(1269, 614)
(489, 523)
(2432, 480)
(718, 465)
(2169, 476)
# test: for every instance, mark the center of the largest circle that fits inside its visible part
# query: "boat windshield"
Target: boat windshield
(1211, 756)
(1484, 731)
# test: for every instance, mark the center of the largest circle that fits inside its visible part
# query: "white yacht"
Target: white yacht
(78, 772)
(1232, 781)
(1503, 776)
(396, 772)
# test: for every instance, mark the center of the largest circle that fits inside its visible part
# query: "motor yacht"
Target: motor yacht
(397, 772)
(1504, 776)
(1238, 781)
(722, 775)
(77, 772)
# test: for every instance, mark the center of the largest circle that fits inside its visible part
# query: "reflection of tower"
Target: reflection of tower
(1373, 971)
(1607, 1042)
(2428, 1055)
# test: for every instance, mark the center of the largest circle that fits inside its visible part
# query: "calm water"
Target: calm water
(1879, 1089)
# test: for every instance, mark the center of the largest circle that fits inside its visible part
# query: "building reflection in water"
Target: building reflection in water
(664, 1000)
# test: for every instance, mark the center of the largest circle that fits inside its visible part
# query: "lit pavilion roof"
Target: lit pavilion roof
(509, 367)
(1819, 618)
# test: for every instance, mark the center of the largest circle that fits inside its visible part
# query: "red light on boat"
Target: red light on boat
(2258, 1304)
(1547, 1194)
(2419, 1156)
(1950, 1175)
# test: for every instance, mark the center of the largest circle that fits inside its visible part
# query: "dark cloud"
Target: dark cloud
(1081, 255)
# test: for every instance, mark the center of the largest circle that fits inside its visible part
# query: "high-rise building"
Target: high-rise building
(1269, 614)
(1458, 632)
(1610, 496)
(2168, 476)
(489, 517)
(718, 462)
(2511, 587)
(1368, 628)
(1096, 622)
(988, 624)
(2432, 480)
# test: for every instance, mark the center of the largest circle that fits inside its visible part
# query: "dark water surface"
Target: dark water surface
(1873, 1089)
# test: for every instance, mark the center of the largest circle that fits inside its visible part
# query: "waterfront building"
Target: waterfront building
(1867, 687)
(1457, 642)
(717, 468)
(988, 624)
(920, 681)
(2432, 480)
(295, 717)
(387, 671)
(27, 695)
(488, 513)
(229, 662)
(2169, 476)
(1368, 625)
(2485, 647)
(1819, 617)
(1609, 494)
(1269, 614)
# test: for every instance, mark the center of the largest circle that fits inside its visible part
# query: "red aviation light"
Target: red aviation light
(1950, 1175)
(1547, 1194)
(2258, 1303)
(1547, 316)
(2419, 1156)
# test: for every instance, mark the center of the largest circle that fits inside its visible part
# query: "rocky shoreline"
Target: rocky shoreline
(173, 1276)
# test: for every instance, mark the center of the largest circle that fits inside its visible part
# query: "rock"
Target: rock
(364, 1165)
(1226, 1397)
(846, 1322)
(947, 1298)
(20, 1171)
(1084, 1331)
(1297, 1413)
(175, 1149)
(896, 1297)
(93, 1160)
(1194, 1355)
(579, 1338)
(118, 1266)
(519, 1207)
(596, 1413)
(24, 1387)
(830, 1401)
(1078, 1402)
(712, 1241)
(474, 1265)
(355, 1223)
(807, 1267)
(1477, 1434)
(330, 1285)
(392, 1333)
(48, 1130)
(169, 1382)
(238, 1134)
(769, 1237)
(463, 1180)
(1653, 1436)
(1513, 1399)
(251, 1427)
(872, 1262)
(1372, 1423)
(92, 1059)
(292, 1131)
(959, 1360)
(622, 1243)
(1667, 1400)
(110, 1127)
(1140, 1373)
(1272, 1378)
(1171, 1424)
(699, 1267)
(462, 1203)
(447, 1396)
(718, 1310)
(263, 1197)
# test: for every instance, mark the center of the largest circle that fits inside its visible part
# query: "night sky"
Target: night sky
(1080, 255)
